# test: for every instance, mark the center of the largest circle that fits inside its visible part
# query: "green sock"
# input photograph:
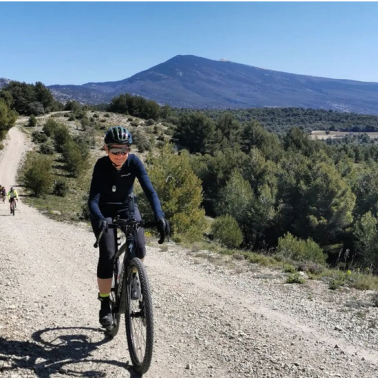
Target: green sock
(104, 295)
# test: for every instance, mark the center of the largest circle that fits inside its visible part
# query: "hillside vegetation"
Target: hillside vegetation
(279, 120)
(299, 203)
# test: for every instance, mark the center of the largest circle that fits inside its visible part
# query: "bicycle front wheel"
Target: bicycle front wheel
(139, 316)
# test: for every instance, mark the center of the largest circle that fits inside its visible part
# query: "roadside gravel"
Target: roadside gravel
(214, 316)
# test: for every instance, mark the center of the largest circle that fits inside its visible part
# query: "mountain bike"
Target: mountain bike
(131, 294)
(12, 206)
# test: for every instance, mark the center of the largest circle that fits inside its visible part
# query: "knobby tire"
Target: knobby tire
(139, 319)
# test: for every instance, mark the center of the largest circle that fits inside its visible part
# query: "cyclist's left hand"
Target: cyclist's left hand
(164, 229)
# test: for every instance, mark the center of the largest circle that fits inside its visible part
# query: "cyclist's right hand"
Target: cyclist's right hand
(103, 225)
(164, 229)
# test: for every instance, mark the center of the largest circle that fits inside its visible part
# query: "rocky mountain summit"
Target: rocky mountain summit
(188, 81)
(193, 82)
(4, 82)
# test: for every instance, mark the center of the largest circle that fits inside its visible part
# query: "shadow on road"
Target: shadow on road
(62, 350)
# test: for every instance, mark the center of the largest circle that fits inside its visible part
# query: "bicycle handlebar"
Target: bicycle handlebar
(129, 223)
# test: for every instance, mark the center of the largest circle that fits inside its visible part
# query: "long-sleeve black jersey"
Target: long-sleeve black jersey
(110, 188)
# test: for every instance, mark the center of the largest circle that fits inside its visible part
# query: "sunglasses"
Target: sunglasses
(119, 151)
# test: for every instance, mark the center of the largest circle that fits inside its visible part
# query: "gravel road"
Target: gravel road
(214, 316)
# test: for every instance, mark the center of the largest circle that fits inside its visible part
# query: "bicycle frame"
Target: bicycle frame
(129, 274)
(128, 227)
(13, 205)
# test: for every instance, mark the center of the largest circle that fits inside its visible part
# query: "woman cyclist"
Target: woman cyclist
(112, 184)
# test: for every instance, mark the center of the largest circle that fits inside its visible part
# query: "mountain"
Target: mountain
(4, 82)
(192, 82)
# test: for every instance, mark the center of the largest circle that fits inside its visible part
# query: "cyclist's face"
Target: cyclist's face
(120, 158)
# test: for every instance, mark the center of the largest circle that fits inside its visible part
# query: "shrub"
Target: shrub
(300, 250)
(158, 130)
(46, 149)
(336, 283)
(150, 122)
(169, 131)
(60, 188)
(38, 137)
(160, 143)
(75, 157)
(36, 107)
(84, 215)
(226, 230)
(50, 127)
(311, 267)
(79, 114)
(295, 278)
(288, 268)
(142, 142)
(61, 137)
(84, 122)
(179, 190)
(32, 120)
(37, 177)
(161, 137)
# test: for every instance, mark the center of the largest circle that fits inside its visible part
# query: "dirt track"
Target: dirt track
(211, 319)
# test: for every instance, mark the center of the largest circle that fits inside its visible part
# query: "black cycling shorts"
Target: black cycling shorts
(107, 247)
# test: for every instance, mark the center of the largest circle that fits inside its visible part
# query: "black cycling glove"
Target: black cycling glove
(163, 228)
(103, 225)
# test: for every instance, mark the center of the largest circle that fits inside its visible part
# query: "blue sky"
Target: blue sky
(80, 42)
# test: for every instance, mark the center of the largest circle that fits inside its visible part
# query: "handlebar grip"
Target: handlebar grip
(125, 222)
(98, 239)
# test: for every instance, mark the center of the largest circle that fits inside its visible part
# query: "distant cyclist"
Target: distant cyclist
(112, 183)
(13, 196)
(3, 192)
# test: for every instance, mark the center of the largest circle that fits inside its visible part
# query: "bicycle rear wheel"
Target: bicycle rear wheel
(139, 318)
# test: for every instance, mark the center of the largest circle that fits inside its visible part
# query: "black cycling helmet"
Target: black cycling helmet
(118, 135)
